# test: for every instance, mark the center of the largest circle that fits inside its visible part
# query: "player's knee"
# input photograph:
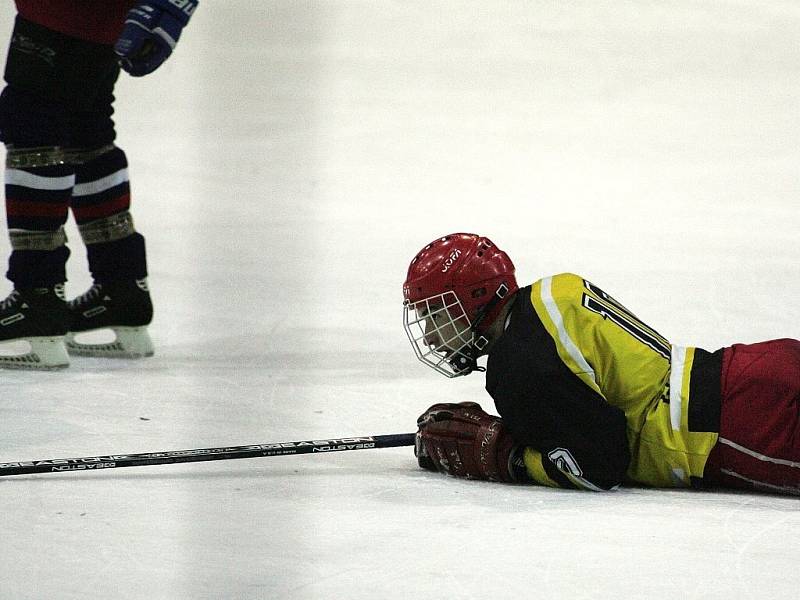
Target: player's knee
(6, 117)
(28, 120)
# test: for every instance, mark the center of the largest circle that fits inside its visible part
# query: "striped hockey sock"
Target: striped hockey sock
(100, 203)
(37, 205)
(119, 301)
(101, 187)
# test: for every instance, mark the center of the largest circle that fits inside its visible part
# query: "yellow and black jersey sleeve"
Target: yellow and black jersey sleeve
(575, 438)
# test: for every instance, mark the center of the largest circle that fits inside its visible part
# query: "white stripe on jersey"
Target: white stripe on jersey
(760, 484)
(37, 182)
(101, 185)
(563, 335)
(754, 454)
(676, 400)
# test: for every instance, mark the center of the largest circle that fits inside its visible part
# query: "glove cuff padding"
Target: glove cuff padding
(493, 450)
(464, 441)
(182, 10)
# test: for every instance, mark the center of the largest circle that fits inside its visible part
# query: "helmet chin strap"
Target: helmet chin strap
(464, 365)
(467, 362)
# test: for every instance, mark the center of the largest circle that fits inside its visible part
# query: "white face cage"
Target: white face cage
(439, 331)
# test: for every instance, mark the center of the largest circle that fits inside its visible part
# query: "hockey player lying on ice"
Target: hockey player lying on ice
(589, 396)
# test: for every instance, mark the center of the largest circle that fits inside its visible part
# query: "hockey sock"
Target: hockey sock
(100, 203)
(37, 205)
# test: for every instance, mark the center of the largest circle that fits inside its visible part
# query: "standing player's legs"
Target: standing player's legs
(119, 300)
(759, 439)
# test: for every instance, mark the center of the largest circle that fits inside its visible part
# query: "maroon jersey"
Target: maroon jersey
(97, 21)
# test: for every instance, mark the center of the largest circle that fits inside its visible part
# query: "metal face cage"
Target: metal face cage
(439, 331)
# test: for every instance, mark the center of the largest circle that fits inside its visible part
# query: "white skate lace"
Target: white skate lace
(89, 295)
(58, 290)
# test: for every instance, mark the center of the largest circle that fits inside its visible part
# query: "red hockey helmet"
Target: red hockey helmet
(455, 288)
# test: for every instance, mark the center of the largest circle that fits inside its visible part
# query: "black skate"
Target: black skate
(124, 307)
(33, 322)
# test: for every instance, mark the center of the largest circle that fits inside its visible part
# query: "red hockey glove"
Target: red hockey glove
(464, 441)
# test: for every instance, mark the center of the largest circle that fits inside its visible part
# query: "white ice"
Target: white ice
(286, 164)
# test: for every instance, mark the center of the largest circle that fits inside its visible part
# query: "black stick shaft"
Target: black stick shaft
(116, 461)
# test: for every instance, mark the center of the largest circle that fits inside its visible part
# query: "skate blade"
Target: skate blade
(128, 342)
(34, 353)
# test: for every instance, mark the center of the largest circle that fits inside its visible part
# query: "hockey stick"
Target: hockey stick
(115, 461)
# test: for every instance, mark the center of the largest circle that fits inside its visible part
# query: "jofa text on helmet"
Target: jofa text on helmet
(451, 259)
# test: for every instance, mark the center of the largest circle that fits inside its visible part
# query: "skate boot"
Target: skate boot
(33, 322)
(119, 307)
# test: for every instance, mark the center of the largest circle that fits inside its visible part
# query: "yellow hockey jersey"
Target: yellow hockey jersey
(596, 396)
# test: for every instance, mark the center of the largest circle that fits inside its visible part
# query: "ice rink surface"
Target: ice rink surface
(286, 164)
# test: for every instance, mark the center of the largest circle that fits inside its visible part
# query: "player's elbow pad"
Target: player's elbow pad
(597, 476)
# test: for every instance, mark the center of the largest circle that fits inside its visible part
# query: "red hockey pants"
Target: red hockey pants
(759, 436)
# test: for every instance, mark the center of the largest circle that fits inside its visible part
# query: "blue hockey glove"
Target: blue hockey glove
(152, 29)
